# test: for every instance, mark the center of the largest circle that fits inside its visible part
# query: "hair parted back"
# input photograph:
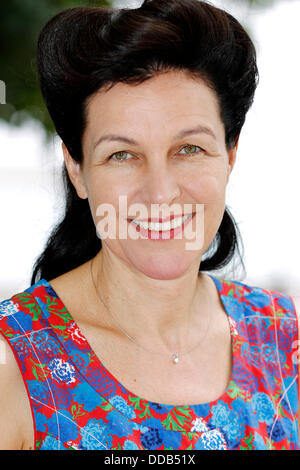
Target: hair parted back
(81, 50)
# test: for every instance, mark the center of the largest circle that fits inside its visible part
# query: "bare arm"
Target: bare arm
(16, 425)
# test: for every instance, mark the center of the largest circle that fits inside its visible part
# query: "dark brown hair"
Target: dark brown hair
(82, 49)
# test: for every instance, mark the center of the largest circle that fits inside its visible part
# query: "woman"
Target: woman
(123, 342)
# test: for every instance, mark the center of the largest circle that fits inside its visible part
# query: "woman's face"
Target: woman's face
(148, 162)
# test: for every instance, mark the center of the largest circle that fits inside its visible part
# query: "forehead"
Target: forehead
(167, 100)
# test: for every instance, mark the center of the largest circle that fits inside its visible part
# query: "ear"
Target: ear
(75, 173)
(232, 158)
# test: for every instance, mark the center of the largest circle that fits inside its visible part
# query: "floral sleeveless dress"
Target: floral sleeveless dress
(78, 404)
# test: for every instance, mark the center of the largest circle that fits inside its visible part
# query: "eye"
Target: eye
(192, 149)
(120, 154)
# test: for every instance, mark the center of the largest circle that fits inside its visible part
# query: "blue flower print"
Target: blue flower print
(120, 404)
(275, 431)
(220, 415)
(244, 410)
(211, 440)
(51, 444)
(119, 425)
(44, 343)
(234, 429)
(139, 427)
(95, 436)
(129, 445)
(151, 440)
(62, 371)
(7, 308)
(85, 395)
(228, 420)
(263, 406)
(199, 425)
(170, 440)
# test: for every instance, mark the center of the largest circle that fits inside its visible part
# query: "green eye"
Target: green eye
(122, 154)
(192, 149)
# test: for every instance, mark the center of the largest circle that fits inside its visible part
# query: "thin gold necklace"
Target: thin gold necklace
(175, 356)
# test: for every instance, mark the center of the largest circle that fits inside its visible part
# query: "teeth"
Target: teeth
(157, 227)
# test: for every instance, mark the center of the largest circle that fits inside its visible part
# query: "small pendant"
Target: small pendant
(175, 358)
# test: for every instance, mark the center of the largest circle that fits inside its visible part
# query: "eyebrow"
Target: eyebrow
(184, 133)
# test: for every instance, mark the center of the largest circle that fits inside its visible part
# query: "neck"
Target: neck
(160, 314)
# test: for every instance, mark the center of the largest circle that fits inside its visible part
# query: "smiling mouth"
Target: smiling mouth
(154, 225)
(164, 230)
(160, 220)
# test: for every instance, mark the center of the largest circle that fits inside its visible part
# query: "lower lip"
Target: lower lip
(162, 234)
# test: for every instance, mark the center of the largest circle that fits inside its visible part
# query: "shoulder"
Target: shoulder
(270, 318)
(18, 313)
(261, 301)
(262, 312)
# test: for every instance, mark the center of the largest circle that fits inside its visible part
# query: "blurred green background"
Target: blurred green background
(20, 24)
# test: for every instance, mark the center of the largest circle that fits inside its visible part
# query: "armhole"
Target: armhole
(26, 387)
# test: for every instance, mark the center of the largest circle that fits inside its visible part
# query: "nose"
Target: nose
(161, 183)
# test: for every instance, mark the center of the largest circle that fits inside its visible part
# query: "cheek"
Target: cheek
(107, 200)
(208, 188)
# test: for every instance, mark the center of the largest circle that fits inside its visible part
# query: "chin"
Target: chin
(163, 268)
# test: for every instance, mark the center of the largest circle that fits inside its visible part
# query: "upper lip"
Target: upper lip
(161, 220)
